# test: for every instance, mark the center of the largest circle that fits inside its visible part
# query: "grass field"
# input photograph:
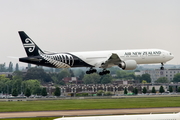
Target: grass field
(46, 105)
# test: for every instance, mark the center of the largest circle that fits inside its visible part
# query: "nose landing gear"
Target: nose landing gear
(162, 66)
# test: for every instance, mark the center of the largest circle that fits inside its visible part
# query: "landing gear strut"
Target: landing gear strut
(104, 72)
(162, 68)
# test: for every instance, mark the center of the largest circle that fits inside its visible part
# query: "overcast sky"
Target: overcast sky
(89, 25)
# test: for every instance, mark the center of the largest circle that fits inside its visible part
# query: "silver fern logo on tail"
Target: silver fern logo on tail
(29, 44)
(59, 60)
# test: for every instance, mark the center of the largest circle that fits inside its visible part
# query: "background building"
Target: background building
(157, 73)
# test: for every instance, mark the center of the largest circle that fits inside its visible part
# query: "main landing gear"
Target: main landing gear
(162, 66)
(91, 71)
(104, 72)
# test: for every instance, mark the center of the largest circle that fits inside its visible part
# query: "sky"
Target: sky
(89, 25)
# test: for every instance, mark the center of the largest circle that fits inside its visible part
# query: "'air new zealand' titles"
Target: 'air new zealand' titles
(125, 59)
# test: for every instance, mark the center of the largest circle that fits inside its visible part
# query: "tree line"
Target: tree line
(56, 75)
(16, 85)
(10, 68)
(44, 76)
(30, 81)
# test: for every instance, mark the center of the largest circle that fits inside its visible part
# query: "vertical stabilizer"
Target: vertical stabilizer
(30, 47)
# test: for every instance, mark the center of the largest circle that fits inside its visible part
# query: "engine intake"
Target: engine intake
(128, 65)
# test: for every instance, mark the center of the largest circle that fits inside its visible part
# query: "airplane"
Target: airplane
(127, 117)
(125, 59)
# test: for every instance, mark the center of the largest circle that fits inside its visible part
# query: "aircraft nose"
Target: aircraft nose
(171, 55)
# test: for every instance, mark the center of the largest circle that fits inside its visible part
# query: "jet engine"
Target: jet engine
(128, 65)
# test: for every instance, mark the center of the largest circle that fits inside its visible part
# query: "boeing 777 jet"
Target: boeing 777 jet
(125, 59)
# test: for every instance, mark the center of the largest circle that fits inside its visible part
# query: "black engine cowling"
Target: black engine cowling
(128, 65)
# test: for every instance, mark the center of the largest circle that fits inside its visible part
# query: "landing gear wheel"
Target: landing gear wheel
(108, 72)
(101, 73)
(88, 72)
(162, 68)
(104, 72)
(91, 71)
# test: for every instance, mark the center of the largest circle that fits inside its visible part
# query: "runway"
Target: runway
(88, 112)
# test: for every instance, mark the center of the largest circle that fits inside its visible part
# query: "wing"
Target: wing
(113, 60)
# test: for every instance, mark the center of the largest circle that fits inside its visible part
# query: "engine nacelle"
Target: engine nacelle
(128, 65)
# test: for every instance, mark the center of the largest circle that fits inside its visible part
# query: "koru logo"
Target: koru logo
(29, 44)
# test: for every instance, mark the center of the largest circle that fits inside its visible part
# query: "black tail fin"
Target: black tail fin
(30, 47)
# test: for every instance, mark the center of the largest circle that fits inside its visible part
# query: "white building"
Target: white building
(157, 73)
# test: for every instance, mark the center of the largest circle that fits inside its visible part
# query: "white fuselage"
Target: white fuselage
(141, 56)
(127, 117)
